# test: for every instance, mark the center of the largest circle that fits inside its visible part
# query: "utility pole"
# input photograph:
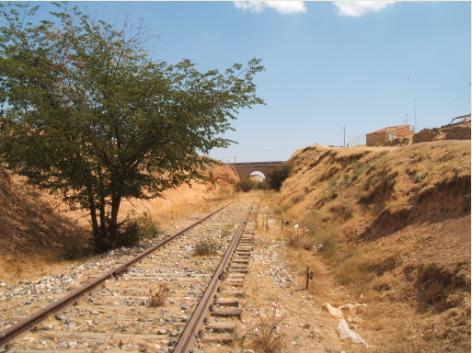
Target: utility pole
(414, 115)
(344, 135)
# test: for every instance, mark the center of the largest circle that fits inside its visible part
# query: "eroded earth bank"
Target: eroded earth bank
(385, 231)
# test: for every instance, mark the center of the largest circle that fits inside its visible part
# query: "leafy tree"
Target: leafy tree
(87, 113)
(278, 175)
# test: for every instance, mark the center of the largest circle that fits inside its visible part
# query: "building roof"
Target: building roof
(390, 129)
(459, 120)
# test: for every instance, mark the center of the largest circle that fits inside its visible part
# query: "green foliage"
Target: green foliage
(206, 247)
(278, 176)
(247, 185)
(129, 236)
(331, 190)
(74, 249)
(85, 112)
(132, 231)
(321, 233)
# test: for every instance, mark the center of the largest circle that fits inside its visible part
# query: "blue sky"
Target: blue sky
(327, 64)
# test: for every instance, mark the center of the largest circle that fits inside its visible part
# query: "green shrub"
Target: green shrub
(132, 231)
(73, 249)
(247, 185)
(322, 234)
(129, 235)
(278, 176)
(206, 247)
(330, 192)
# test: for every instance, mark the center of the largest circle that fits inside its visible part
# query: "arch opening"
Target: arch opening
(257, 176)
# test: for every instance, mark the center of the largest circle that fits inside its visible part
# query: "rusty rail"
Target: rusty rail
(52, 308)
(187, 338)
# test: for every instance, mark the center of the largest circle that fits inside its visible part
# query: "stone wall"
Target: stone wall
(451, 132)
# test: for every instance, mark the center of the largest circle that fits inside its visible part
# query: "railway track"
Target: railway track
(114, 312)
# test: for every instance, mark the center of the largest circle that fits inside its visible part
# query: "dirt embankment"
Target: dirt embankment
(399, 221)
(35, 227)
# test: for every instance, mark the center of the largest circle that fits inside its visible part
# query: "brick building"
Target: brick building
(392, 135)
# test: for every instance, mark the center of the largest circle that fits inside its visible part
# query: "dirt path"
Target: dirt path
(273, 288)
(279, 315)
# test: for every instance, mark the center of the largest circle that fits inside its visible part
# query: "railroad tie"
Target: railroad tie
(221, 326)
(227, 301)
(222, 338)
(226, 312)
(226, 306)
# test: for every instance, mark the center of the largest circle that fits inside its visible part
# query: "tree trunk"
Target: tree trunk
(93, 211)
(102, 207)
(93, 215)
(103, 226)
(113, 227)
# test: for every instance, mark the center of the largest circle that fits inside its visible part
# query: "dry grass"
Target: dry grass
(266, 338)
(38, 231)
(320, 230)
(300, 242)
(408, 347)
(206, 247)
(74, 249)
(158, 295)
(394, 224)
(148, 226)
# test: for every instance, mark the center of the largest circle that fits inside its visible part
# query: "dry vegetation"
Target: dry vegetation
(393, 225)
(206, 247)
(39, 234)
(159, 295)
(266, 337)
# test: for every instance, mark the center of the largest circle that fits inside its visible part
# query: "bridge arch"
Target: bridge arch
(244, 170)
(257, 176)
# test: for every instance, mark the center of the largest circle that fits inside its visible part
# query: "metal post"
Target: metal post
(309, 276)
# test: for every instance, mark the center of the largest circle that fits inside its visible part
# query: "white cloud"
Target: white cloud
(283, 7)
(360, 8)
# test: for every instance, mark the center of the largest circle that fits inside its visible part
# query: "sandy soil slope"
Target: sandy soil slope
(393, 226)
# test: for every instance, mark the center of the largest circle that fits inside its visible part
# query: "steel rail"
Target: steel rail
(187, 338)
(52, 308)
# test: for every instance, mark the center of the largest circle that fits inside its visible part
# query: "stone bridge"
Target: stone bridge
(244, 170)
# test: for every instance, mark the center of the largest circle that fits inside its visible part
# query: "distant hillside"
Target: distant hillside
(399, 221)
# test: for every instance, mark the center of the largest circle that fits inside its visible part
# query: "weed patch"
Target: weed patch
(266, 338)
(247, 185)
(147, 227)
(206, 247)
(300, 241)
(159, 295)
(321, 233)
